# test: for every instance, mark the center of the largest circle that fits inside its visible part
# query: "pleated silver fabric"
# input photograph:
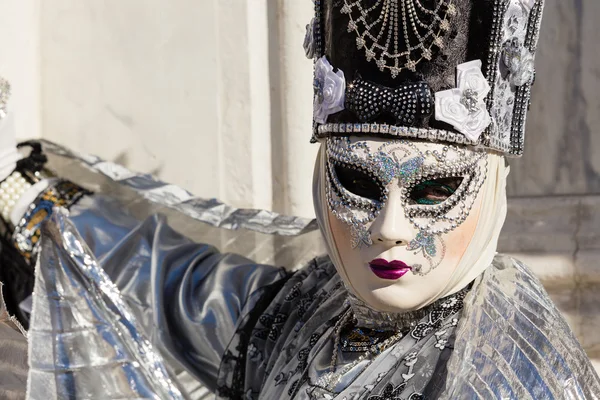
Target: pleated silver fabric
(84, 340)
(263, 236)
(13, 356)
(186, 298)
(199, 309)
(513, 343)
(210, 211)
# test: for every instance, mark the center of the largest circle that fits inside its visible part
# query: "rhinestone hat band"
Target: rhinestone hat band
(390, 131)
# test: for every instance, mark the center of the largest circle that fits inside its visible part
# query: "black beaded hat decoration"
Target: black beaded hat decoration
(457, 71)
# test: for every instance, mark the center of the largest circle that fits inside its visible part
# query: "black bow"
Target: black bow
(406, 103)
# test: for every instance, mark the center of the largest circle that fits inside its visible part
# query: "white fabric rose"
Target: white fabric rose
(477, 122)
(469, 76)
(330, 88)
(464, 107)
(453, 112)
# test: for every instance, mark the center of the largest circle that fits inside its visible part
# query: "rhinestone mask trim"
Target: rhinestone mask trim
(403, 161)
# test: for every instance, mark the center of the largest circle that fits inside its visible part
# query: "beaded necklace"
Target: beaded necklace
(399, 325)
(331, 379)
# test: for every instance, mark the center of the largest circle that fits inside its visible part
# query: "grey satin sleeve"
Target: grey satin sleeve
(186, 296)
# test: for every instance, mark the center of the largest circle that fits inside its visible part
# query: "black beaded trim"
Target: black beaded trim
(523, 93)
(500, 7)
(27, 233)
(517, 135)
(318, 30)
(533, 30)
(360, 340)
(319, 45)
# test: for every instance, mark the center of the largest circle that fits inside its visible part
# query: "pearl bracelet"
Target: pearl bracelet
(11, 191)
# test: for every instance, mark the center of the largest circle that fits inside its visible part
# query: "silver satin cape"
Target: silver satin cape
(124, 309)
(130, 307)
(13, 355)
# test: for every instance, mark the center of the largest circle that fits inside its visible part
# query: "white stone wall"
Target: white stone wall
(212, 95)
(20, 61)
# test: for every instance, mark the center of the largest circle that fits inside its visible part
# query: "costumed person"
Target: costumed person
(417, 103)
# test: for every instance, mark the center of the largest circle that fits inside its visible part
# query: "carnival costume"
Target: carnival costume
(416, 105)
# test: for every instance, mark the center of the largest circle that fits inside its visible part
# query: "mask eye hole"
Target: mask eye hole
(434, 191)
(358, 182)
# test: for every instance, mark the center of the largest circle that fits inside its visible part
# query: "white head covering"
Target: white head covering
(480, 251)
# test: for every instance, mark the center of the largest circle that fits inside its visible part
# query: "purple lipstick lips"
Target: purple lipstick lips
(391, 270)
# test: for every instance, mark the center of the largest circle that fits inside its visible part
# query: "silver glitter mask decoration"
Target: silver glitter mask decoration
(406, 164)
(4, 96)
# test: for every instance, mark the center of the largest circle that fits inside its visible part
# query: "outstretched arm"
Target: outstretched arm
(187, 297)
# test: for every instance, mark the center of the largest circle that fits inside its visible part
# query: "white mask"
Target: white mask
(399, 217)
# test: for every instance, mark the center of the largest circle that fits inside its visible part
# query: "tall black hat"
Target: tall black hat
(455, 71)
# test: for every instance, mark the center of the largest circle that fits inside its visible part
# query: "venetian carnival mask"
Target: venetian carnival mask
(402, 214)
